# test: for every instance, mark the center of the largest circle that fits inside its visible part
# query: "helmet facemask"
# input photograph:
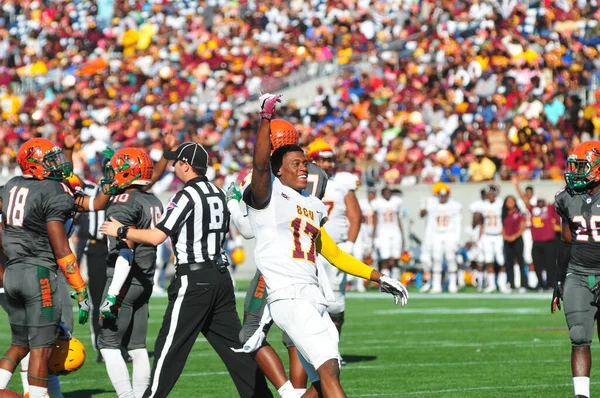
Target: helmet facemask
(56, 166)
(110, 186)
(579, 173)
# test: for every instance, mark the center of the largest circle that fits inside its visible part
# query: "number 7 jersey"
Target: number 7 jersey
(286, 232)
(582, 213)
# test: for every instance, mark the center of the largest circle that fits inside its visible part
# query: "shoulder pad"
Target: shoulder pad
(348, 179)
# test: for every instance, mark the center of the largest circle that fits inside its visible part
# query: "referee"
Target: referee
(201, 297)
(93, 245)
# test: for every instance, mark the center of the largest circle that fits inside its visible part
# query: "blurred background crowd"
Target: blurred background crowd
(421, 91)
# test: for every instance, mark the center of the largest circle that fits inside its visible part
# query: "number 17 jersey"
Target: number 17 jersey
(582, 213)
(286, 232)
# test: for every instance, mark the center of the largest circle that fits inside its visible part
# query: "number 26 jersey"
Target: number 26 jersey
(582, 213)
(286, 232)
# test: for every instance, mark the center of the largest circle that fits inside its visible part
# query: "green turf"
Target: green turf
(470, 346)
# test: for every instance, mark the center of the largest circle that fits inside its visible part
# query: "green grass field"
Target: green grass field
(467, 345)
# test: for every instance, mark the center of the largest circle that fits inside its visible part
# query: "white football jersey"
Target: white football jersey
(492, 217)
(388, 213)
(334, 200)
(368, 216)
(444, 218)
(286, 232)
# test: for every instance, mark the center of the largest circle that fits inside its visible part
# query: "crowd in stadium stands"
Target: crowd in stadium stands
(425, 90)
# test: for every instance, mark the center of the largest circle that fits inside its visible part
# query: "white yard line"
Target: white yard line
(426, 296)
(466, 389)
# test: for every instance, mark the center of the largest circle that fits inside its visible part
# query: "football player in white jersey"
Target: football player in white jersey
(282, 133)
(442, 229)
(475, 251)
(287, 223)
(389, 234)
(343, 222)
(525, 201)
(491, 240)
(363, 248)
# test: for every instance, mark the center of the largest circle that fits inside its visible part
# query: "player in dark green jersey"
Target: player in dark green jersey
(578, 268)
(35, 208)
(130, 271)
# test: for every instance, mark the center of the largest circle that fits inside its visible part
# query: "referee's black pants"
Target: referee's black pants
(96, 252)
(202, 301)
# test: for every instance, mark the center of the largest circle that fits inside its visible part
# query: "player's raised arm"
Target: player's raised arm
(343, 261)
(260, 186)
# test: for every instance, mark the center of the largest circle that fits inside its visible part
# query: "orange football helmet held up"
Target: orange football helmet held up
(39, 158)
(282, 133)
(583, 166)
(127, 167)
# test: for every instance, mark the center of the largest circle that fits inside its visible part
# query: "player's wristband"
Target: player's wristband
(70, 269)
(122, 232)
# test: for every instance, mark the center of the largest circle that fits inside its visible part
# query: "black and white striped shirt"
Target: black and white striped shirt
(96, 218)
(197, 220)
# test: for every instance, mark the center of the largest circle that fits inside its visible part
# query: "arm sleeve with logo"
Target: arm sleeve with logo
(178, 210)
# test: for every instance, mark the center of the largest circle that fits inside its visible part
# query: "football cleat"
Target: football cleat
(67, 357)
(127, 167)
(39, 158)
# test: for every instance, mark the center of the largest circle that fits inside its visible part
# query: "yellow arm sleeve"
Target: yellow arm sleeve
(341, 260)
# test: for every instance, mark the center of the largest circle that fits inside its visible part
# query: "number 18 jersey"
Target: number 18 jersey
(582, 213)
(27, 206)
(286, 232)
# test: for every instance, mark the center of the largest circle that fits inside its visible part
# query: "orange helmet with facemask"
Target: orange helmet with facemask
(39, 158)
(282, 133)
(127, 167)
(583, 165)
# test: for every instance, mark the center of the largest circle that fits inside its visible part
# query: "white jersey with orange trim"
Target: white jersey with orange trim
(444, 218)
(286, 232)
(368, 218)
(492, 217)
(388, 214)
(334, 200)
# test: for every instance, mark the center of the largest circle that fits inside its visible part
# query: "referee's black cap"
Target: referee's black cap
(191, 153)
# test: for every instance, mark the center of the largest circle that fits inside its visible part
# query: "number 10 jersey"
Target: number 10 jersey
(286, 232)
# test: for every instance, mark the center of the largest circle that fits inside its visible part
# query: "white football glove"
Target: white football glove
(346, 246)
(395, 288)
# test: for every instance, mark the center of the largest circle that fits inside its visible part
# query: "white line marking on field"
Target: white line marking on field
(466, 389)
(426, 296)
(395, 345)
(462, 311)
(436, 364)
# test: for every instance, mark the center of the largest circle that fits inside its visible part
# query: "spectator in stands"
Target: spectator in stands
(482, 168)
